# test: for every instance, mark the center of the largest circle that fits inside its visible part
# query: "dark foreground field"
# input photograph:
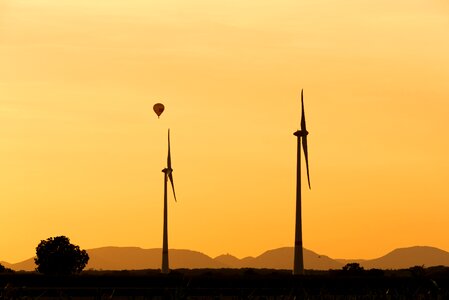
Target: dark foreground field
(432, 283)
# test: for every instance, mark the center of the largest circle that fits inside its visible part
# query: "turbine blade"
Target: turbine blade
(169, 156)
(170, 176)
(306, 156)
(169, 169)
(304, 137)
(303, 115)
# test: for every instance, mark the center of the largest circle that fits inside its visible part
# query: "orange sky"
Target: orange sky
(81, 151)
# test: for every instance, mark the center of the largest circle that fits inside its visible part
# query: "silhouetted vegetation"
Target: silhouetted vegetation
(4, 269)
(353, 268)
(230, 284)
(417, 271)
(356, 270)
(57, 256)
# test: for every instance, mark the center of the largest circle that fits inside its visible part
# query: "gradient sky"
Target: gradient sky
(81, 151)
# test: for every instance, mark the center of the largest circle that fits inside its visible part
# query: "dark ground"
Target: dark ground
(417, 283)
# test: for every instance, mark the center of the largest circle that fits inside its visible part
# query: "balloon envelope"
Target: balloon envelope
(158, 109)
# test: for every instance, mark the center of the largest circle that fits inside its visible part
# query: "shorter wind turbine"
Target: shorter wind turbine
(168, 175)
(298, 261)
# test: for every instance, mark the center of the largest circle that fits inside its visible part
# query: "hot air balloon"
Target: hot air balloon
(158, 109)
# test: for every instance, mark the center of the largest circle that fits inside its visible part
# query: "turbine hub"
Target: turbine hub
(301, 133)
(167, 171)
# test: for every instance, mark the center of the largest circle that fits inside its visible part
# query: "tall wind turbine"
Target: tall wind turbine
(298, 263)
(168, 175)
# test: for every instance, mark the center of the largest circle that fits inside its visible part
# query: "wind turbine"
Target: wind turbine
(168, 175)
(298, 262)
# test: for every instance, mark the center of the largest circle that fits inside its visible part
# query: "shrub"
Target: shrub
(57, 256)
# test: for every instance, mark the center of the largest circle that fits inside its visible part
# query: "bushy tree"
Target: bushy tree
(353, 269)
(4, 269)
(417, 271)
(57, 256)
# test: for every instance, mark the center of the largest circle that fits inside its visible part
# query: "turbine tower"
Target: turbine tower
(168, 175)
(298, 263)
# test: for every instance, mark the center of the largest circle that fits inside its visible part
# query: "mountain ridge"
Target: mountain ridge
(135, 258)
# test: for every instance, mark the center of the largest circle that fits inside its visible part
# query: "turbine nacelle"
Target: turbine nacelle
(167, 171)
(301, 133)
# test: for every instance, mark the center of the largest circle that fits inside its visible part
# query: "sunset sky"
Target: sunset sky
(81, 151)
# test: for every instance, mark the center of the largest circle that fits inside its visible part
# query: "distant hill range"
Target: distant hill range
(134, 258)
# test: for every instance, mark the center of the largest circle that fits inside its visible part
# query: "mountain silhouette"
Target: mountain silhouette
(281, 258)
(134, 258)
(6, 264)
(26, 265)
(406, 257)
(229, 260)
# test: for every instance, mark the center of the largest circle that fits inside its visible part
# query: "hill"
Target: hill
(134, 258)
(26, 265)
(282, 258)
(6, 264)
(406, 257)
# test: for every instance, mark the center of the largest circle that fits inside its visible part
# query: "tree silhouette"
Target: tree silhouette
(3, 269)
(353, 268)
(417, 271)
(57, 256)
